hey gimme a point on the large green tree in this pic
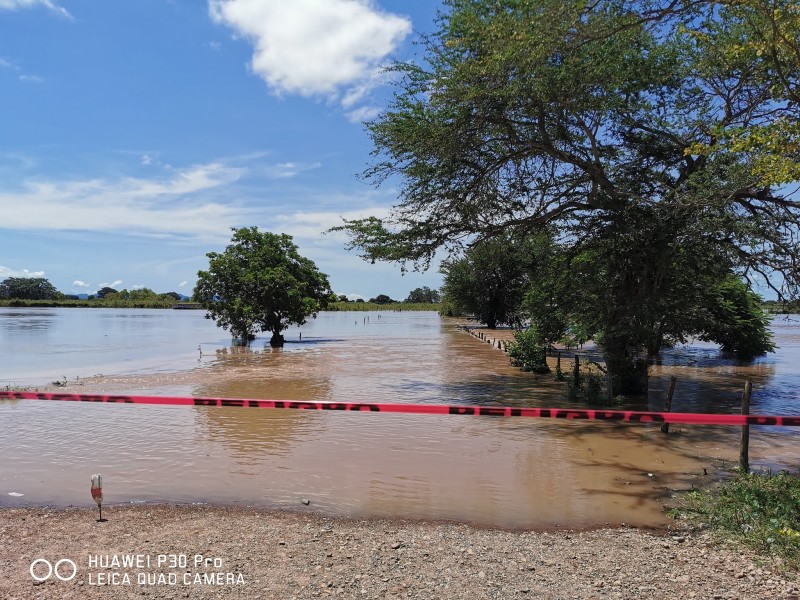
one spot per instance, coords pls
(28, 288)
(424, 295)
(489, 281)
(260, 283)
(615, 124)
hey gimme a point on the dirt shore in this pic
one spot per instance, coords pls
(254, 553)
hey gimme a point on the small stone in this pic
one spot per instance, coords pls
(396, 545)
(481, 574)
(305, 501)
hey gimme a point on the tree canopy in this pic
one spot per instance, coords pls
(28, 288)
(489, 281)
(652, 139)
(260, 283)
(424, 295)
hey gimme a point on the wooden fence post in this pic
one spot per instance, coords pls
(744, 447)
(668, 403)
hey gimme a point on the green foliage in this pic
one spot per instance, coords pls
(589, 384)
(632, 132)
(260, 283)
(106, 291)
(382, 299)
(760, 510)
(424, 294)
(28, 288)
(737, 323)
(528, 351)
(489, 281)
(111, 301)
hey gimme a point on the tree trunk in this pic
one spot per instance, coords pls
(242, 339)
(276, 341)
(628, 372)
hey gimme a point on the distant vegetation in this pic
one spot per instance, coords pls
(39, 292)
(782, 308)
(371, 306)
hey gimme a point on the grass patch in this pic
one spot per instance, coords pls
(758, 510)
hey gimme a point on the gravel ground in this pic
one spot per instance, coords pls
(267, 554)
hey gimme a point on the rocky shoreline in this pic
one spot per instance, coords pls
(257, 553)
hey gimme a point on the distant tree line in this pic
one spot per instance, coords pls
(420, 295)
(25, 291)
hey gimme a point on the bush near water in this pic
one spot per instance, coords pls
(758, 510)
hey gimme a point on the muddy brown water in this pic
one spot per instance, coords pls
(505, 472)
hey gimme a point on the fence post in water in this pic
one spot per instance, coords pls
(744, 447)
(668, 403)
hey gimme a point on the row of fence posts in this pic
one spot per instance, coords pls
(744, 444)
(485, 338)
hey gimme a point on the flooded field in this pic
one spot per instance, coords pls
(491, 471)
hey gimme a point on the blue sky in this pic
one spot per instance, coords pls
(135, 133)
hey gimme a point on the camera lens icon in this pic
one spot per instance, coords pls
(51, 570)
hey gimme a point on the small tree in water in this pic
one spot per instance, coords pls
(260, 283)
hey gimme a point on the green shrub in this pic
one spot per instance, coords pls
(528, 352)
(759, 510)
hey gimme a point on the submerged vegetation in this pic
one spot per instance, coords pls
(758, 510)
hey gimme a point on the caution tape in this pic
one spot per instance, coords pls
(627, 416)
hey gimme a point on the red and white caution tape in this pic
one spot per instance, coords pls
(628, 416)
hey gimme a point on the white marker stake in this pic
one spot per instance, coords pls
(97, 492)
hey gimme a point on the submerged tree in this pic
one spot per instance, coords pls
(617, 125)
(489, 281)
(260, 283)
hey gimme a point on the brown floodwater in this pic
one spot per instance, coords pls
(506, 472)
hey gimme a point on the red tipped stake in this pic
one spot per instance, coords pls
(97, 492)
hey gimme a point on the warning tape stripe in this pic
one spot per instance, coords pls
(628, 416)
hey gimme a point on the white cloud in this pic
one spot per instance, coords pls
(113, 284)
(176, 205)
(19, 4)
(7, 272)
(310, 225)
(290, 169)
(315, 47)
(363, 113)
(31, 78)
(80, 284)
(136, 287)
(183, 284)
(7, 64)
